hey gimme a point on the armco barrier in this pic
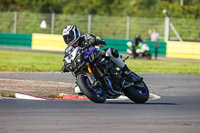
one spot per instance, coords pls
(185, 50)
(48, 42)
(118, 44)
(161, 48)
(15, 40)
(121, 46)
(52, 42)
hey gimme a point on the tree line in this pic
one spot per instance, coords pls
(135, 8)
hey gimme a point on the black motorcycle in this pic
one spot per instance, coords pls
(99, 78)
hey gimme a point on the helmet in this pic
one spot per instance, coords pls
(137, 36)
(71, 34)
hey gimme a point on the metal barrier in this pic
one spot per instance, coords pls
(50, 42)
(15, 40)
(184, 50)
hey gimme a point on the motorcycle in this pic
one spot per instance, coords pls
(141, 51)
(99, 78)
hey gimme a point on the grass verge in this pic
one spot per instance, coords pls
(46, 62)
(6, 94)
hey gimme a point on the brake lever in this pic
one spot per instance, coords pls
(126, 58)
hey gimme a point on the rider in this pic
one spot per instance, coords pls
(135, 43)
(73, 38)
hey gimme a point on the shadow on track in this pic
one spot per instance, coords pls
(141, 104)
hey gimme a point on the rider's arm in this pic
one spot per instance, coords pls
(141, 40)
(64, 67)
(94, 41)
(101, 43)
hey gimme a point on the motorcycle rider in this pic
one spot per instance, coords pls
(135, 43)
(72, 38)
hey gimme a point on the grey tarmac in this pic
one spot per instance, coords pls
(178, 110)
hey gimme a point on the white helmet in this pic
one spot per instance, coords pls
(71, 34)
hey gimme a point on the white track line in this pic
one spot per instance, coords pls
(23, 96)
(28, 97)
(154, 96)
(151, 97)
(22, 80)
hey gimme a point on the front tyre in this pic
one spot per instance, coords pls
(95, 94)
(138, 94)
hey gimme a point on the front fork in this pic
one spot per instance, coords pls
(92, 78)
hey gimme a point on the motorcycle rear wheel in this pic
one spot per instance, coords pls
(97, 95)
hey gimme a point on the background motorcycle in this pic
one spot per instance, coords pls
(99, 78)
(141, 51)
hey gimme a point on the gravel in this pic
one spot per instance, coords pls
(36, 88)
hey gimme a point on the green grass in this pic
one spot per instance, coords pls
(30, 61)
(161, 66)
(45, 62)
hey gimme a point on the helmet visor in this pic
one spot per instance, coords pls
(67, 39)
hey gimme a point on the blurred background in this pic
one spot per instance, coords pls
(118, 19)
(38, 24)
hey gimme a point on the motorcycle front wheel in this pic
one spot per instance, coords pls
(138, 93)
(96, 94)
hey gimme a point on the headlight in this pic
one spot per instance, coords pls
(78, 60)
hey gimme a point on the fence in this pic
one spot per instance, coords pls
(52, 42)
(104, 26)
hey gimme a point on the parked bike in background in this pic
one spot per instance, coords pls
(142, 50)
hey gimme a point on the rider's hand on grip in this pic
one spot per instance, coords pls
(103, 53)
(90, 39)
(64, 69)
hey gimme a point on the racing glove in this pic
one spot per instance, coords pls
(64, 69)
(90, 40)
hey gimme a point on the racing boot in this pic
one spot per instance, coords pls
(129, 76)
(127, 72)
(77, 89)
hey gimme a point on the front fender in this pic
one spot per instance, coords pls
(90, 77)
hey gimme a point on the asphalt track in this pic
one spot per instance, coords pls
(178, 110)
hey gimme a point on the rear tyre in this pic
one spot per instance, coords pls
(95, 94)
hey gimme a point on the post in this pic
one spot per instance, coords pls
(52, 19)
(167, 21)
(166, 29)
(169, 24)
(128, 27)
(89, 23)
(176, 33)
(181, 2)
(156, 50)
(15, 22)
(52, 22)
